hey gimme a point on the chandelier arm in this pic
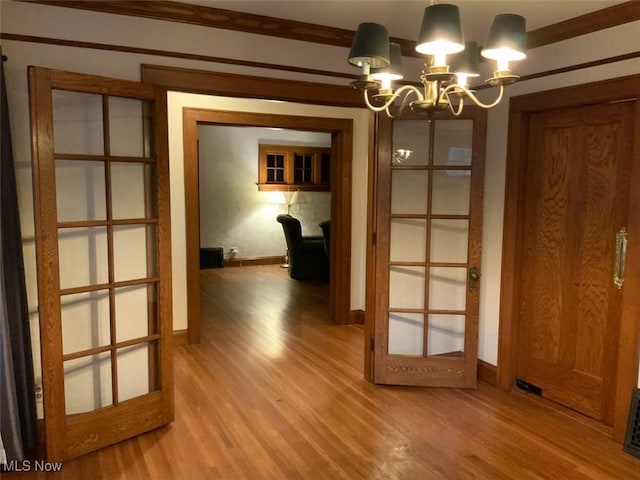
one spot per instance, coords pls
(405, 100)
(458, 111)
(470, 94)
(407, 88)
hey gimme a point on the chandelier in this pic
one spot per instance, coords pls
(450, 62)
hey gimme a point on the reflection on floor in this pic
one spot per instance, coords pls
(276, 391)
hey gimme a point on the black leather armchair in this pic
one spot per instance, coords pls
(307, 258)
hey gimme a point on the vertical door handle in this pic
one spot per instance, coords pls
(474, 276)
(620, 258)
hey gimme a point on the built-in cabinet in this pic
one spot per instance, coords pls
(290, 167)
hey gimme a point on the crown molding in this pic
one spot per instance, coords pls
(321, 34)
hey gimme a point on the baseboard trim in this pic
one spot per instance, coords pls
(487, 372)
(356, 316)
(253, 261)
(180, 338)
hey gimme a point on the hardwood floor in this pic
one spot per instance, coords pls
(275, 391)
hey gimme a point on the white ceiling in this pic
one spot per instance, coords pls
(402, 17)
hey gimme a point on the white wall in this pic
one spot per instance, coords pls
(233, 213)
(47, 21)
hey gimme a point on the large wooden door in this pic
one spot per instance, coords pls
(578, 175)
(428, 229)
(101, 200)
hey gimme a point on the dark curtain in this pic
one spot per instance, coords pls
(18, 421)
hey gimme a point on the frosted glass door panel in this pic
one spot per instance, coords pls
(451, 192)
(410, 142)
(453, 142)
(408, 240)
(129, 127)
(446, 334)
(133, 252)
(77, 123)
(131, 190)
(409, 191)
(406, 287)
(133, 371)
(406, 333)
(135, 312)
(85, 321)
(80, 190)
(87, 383)
(83, 256)
(447, 288)
(449, 241)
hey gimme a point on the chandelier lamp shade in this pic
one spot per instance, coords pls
(449, 65)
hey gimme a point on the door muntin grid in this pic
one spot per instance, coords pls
(429, 237)
(107, 243)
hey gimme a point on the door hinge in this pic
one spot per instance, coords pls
(374, 238)
(372, 344)
(528, 387)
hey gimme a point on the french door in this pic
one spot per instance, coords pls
(428, 234)
(101, 200)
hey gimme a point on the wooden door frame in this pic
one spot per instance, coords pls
(341, 159)
(521, 108)
(244, 86)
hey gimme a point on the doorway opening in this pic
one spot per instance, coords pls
(340, 210)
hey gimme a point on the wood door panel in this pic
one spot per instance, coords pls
(439, 372)
(543, 277)
(92, 431)
(568, 387)
(577, 186)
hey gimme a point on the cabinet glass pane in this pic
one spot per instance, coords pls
(135, 312)
(406, 333)
(87, 383)
(134, 371)
(409, 191)
(410, 142)
(449, 241)
(451, 191)
(80, 190)
(134, 251)
(302, 168)
(452, 142)
(85, 321)
(83, 256)
(446, 335)
(77, 123)
(447, 288)
(408, 240)
(406, 287)
(325, 169)
(130, 123)
(133, 190)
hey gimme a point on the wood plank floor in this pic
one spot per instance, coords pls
(275, 391)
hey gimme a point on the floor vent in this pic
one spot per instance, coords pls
(528, 387)
(632, 440)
